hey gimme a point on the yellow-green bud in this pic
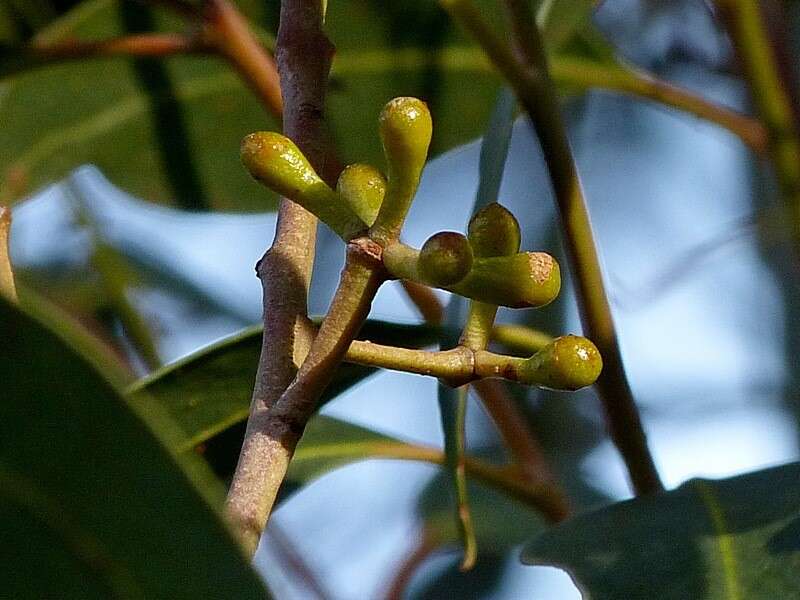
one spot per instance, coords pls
(445, 258)
(524, 280)
(494, 231)
(406, 129)
(276, 162)
(567, 363)
(363, 186)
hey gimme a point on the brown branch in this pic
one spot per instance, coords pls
(304, 57)
(425, 300)
(424, 546)
(524, 446)
(147, 44)
(294, 561)
(229, 32)
(7, 287)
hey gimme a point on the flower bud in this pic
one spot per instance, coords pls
(524, 280)
(406, 129)
(276, 162)
(363, 186)
(494, 231)
(567, 363)
(445, 258)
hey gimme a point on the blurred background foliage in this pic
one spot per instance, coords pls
(124, 178)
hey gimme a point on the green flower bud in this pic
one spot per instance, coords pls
(524, 280)
(494, 231)
(405, 128)
(567, 363)
(445, 258)
(276, 162)
(363, 186)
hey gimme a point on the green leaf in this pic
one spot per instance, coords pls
(329, 443)
(168, 131)
(91, 502)
(209, 391)
(412, 48)
(727, 539)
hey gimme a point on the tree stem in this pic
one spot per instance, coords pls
(304, 57)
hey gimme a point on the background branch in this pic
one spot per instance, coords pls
(536, 92)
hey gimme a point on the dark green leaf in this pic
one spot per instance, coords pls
(210, 390)
(91, 502)
(734, 538)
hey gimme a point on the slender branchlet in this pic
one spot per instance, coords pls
(568, 363)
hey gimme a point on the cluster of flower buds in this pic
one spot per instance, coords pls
(486, 265)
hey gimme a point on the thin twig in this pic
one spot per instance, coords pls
(584, 74)
(425, 300)
(272, 434)
(145, 44)
(230, 34)
(304, 57)
(292, 559)
(524, 446)
(423, 547)
(536, 92)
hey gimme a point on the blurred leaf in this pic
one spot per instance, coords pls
(731, 538)
(165, 130)
(90, 494)
(210, 390)
(19, 19)
(480, 582)
(169, 130)
(494, 149)
(560, 20)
